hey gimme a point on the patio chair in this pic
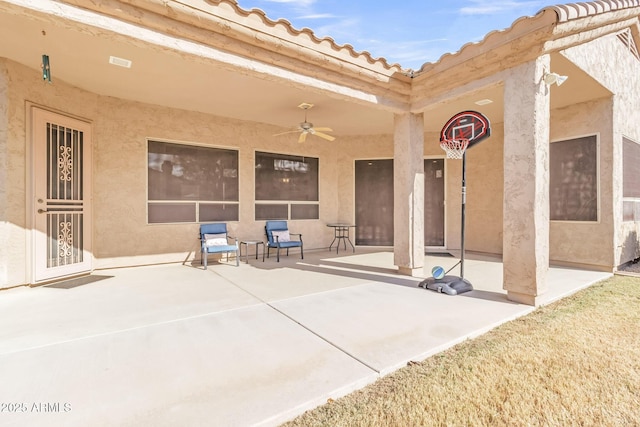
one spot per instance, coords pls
(215, 240)
(279, 237)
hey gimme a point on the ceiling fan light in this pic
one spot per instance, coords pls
(306, 127)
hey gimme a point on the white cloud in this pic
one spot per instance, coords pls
(482, 7)
(409, 54)
(318, 16)
(300, 3)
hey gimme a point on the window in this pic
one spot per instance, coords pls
(286, 187)
(189, 183)
(630, 180)
(573, 183)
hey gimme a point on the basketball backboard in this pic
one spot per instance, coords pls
(470, 125)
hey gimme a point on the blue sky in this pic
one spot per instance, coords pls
(408, 32)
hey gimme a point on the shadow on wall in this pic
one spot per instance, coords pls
(630, 249)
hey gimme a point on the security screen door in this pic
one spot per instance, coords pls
(62, 184)
(434, 203)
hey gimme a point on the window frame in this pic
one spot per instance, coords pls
(289, 203)
(196, 203)
(633, 200)
(595, 135)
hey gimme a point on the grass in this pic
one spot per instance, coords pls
(572, 363)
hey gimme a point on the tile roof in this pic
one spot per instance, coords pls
(567, 12)
(564, 13)
(546, 19)
(339, 49)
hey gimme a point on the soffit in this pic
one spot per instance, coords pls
(164, 73)
(353, 93)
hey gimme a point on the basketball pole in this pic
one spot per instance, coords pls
(463, 130)
(462, 213)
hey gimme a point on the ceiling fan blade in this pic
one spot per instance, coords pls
(324, 135)
(284, 133)
(303, 137)
(324, 129)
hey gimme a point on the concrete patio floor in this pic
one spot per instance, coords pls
(256, 344)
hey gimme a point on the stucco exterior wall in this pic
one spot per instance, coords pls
(361, 147)
(120, 218)
(588, 243)
(5, 226)
(485, 171)
(26, 86)
(121, 235)
(609, 62)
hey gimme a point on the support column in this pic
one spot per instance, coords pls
(408, 194)
(526, 183)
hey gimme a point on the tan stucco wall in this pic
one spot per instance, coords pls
(121, 175)
(5, 226)
(483, 212)
(363, 147)
(121, 236)
(589, 243)
(483, 230)
(609, 62)
(25, 86)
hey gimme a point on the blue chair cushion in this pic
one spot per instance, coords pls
(220, 248)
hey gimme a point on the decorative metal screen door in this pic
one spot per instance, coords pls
(62, 189)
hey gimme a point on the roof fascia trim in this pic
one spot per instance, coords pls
(249, 40)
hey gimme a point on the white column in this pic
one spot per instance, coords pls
(526, 182)
(408, 194)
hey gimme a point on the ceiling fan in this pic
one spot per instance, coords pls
(306, 128)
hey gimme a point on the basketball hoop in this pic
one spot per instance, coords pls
(454, 147)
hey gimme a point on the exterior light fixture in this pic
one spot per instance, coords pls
(551, 78)
(46, 68)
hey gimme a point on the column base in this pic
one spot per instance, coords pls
(532, 300)
(413, 272)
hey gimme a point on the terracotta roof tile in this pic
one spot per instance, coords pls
(564, 13)
(307, 32)
(567, 12)
(258, 20)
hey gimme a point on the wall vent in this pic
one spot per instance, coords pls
(627, 39)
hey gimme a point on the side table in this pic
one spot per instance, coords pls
(341, 233)
(248, 243)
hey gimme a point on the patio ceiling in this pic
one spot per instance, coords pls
(79, 55)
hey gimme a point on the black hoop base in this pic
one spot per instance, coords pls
(450, 285)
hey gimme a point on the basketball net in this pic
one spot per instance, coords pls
(454, 147)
